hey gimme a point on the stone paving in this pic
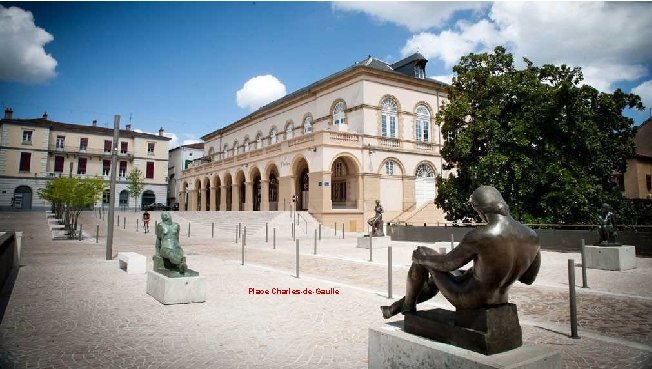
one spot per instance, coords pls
(72, 309)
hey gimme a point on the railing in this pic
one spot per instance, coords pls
(344, 137)
(86, 150)
(390, 142)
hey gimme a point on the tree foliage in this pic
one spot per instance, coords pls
(135, 185)
(69, 196)
(547, 142)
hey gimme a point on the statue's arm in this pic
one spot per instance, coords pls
(454, 260)
(531, 273)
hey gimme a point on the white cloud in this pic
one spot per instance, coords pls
(259, 91)
(446, 78)
(644, 90)
(415, 16)
(610, 41)
(23, 58)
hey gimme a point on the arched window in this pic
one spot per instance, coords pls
(425, 171)
(389, 119)
(289, 131)
(226, 151)
(246, 144)
(390, 167)
(272, 136)
(422, 124)
(338, 114)
(211, 151)
(259, 141)
(307, 124)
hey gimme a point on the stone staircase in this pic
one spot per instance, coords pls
(427, 213)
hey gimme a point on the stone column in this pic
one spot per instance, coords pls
(192, 199)
(286, 189)
(182, 201)
(202, 199)
(249, 196)
(264, 195)
(223, 198)
(213, 204)
(235, 197)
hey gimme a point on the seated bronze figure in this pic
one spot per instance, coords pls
(168, 257)
(607, 228)
(376, 222)
(502, 252)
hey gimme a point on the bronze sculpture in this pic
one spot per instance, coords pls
(607, 228)
(376, 222)
(168, 257)
(502, 252)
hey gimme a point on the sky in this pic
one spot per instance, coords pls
(192, 68)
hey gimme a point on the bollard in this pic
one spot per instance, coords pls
(335, 228)
(342, 230)
(118, 221)
(97, 234)
(244, 243)
(188, 229)
(266, 232)
(315, 250)
(80, 231)
(293, 231)
(297, 264)
(424, 224)
(584, 281)
(389, 272)
(239, 230)
(320, 231)
(274, 238)
(136, 225)
(452, 242)
(124, 223)
(236, 234)
(371, 247)
(573, 304)
(212, 229)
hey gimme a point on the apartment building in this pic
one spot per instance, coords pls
(332, 148)
(33, 151)
(180, 158)
(637, 179)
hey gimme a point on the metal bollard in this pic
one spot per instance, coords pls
(244, 243)
(80, 231)
(335, 228)
(584, 281)
(266, 232)
(212, 229)
(293, 231)
(389, 272)
(274, 238)
(297, 264)
(124, 223)
(236, 234)
(371, 247)
(320, 231)
(573, 303)
(342, 230)
(239, 230)
(118, 221)
(188, 229)
(97, 234)
(136, 225)
(452, 241)
(315, 250)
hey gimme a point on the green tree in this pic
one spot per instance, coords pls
(135, 185)
(547, 142)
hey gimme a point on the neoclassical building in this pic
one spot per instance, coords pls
(365, 133)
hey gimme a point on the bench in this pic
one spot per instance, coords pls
(132, 262)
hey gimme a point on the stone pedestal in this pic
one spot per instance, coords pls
(180, 290)
(132, 262)
(391, 347)
(485, 330)
(378, 242)
(610, 257)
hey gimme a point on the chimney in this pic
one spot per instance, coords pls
(160, 132)
(94, 122)
(128, 127)
(45, 115)
(9, 113)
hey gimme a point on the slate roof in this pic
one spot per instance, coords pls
(368, 62)
(80, 128)
(643, 139)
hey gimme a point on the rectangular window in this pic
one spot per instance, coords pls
(25, 160)
(124, 147)
(150, 148)
(81, 166)
(383, 126)
(123, 168)
(83, 143)
(417, 131)
(61, 142)
(392, 126)
(27, 137)
(426, 133)
(108, 145)
(58, 164)
(149, 171)
(106, 167)
(188, 162)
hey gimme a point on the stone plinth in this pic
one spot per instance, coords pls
(180, 290)
(610, 257)
(132, 262)
(378, 242)
(485, 330)
(391, 347)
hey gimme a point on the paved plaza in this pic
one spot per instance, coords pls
(72, 309)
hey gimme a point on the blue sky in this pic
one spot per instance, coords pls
(181, 65)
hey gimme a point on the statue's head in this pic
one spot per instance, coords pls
(165, 216)
(606, 208)
(377, 202)
(487, 200)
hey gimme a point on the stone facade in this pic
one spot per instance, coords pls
(362, 134)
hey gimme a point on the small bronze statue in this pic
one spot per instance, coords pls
(502, 252)
(607, 228)
(376, 222)
(168, 258)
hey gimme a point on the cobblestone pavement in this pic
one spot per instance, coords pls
(72, 309)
